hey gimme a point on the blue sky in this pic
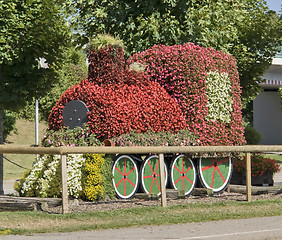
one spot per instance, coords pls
(274, 5)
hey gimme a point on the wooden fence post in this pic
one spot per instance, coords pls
(65, 203)
(162, 177)
(248, 177)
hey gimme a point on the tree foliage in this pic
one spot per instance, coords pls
(73, 70)
(245, 29)
(29, 30)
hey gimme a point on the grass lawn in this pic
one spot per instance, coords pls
(25, 136)
(39, 222)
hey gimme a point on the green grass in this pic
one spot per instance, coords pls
(25, 136)
(39, 222)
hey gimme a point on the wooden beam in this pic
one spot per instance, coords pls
(248, 177)
(21, 149)
(162, 176)
(65, 199)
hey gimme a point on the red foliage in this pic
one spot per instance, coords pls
(181, 70)
(115, 109)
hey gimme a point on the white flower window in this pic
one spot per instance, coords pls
(219, 93)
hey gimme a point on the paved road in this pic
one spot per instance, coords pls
(251, 229)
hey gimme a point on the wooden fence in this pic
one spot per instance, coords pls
(161, 150)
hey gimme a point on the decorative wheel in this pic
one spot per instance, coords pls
(150, 175)
(183, 174)
(215, 173)
(125, 176)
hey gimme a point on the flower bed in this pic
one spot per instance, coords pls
(259, 165)
(205, 84)
(262, 170)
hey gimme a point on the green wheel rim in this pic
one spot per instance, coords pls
(150, 175)
(125, 176)
(215, 173)
(183, 174)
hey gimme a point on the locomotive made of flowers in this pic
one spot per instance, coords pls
(182, 88)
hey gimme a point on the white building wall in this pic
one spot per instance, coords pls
(267, 106)
(268, 117)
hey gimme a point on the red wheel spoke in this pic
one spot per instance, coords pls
(119, 182)
(177, 169)
(150, 166)
(188, 180)
(119, 171)
(212, 177)
(130, 171)
(177, 180)
(130, 182)
(207, 167)
(152, 185)
(158, 184)
(150, 176)
(187, 169)
(220, 174)
(124, 188)
(156, 167)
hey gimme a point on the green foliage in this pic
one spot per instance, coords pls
(103, 40)
(29, 30)
(246, 29)
(73, 70)
(252, 136)
(150, 138)
(107, 176)
(70, 137)
(9, 122)
(19, 184)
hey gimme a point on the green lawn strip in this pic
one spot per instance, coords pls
(38, 222)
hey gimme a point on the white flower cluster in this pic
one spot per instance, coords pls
(34, 182)
(48, 175)
(219, 93)
(28, 184)
(74, 165)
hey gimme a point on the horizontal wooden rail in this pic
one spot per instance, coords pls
(22, 149)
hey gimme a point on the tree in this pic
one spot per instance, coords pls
(29, 30)
(246, 29)
(73, 70)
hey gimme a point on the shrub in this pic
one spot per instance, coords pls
(70, 137)
(259, 165)
(188, 73)
(44, 179)
(96, 177)
(150, 138)
(88, 176)
(252, 136)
